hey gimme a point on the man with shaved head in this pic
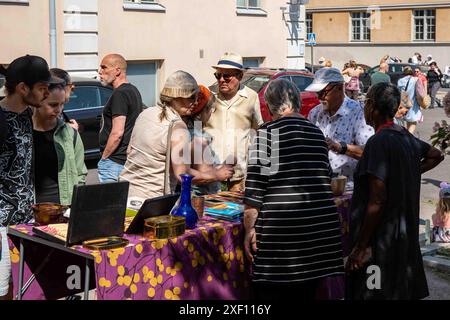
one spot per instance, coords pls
(381, 75)
(119, 115)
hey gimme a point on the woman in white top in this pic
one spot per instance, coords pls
(159, 135)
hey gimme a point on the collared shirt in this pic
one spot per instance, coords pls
(348, 125)
(230, 127)
(16, 183)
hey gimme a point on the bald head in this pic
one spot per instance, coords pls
(113, 70)
(116, 60)
(384, 67)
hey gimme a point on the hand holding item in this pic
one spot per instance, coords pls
(250, 244)
(224, 172)
(358, 258)
(333, 146)
(74, 124)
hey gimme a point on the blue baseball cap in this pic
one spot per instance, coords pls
(323, 77)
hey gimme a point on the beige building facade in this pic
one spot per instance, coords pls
(367, 30)
(156, 37)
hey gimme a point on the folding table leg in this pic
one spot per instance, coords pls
(21, 265)
(86, 281)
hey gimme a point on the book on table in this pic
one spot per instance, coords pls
(53, 232)
(229, 211)
(97, 212)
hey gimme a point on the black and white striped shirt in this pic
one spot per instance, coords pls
(298, 230)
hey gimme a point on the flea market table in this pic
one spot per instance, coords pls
(206, 263)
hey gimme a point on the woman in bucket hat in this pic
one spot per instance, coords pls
(159, 148)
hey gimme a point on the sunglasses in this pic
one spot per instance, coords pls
(226, 76)
(323, 93)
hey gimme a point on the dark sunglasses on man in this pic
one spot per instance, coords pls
(226, 76)
(324, 92)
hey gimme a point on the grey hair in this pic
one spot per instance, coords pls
(282, 94)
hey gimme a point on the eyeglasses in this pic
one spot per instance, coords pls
(226, 76)
(323, 93)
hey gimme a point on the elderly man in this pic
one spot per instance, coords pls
(235, 112)
(341, 119)
(119, 115)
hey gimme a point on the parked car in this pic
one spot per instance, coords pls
(395, 72)
(258, 79)
(86, 107)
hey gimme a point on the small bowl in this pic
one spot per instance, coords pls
(49, 213)
(338, 185)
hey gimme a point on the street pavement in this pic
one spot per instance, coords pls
(432, 178)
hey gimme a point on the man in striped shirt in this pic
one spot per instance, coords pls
(293, 235)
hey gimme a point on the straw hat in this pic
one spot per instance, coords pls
(180, 84)
(230, 61)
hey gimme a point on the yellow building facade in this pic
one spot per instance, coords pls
(365, 31)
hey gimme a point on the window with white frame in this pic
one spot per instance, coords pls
(309, 23)
(360, 26)
(424, 25)
(248, 4)
(143, 5)
(140, 1)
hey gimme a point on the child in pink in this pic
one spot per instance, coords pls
(441, 219)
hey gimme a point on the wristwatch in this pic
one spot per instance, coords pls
(343, 147)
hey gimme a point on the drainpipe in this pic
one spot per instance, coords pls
(53, 49)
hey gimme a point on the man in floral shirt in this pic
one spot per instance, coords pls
(27, 81)
(341, 120)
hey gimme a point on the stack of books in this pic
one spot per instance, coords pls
(224, 210)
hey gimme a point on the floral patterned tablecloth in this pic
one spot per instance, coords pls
(205, 263)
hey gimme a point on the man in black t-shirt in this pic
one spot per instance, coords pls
(119, 115)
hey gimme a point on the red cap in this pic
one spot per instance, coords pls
(203, 98)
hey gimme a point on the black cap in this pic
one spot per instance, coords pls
(30, 70)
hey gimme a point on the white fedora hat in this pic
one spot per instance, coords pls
(230, 61)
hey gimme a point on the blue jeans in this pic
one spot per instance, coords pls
(109, 171)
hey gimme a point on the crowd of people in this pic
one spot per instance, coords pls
(284, 167)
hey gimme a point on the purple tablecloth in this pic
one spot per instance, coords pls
(205, 263)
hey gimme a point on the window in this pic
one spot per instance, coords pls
(301, 82)
(255, 82)
(83, 97)
(309, 23)
(360, 26)
(141, 1)
(20, 2)
(248, 4)
(105, 94)
(252, 62)
(250, 8)
(424, 25)
(143, 5)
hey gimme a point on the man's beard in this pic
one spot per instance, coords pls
(31, 100)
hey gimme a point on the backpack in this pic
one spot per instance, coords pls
(423, 99)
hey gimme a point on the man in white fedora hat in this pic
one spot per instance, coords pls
(235, 113)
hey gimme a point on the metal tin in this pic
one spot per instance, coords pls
(164, 227)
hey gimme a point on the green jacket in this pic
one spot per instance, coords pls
(71, 167)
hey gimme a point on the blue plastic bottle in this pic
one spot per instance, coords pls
(185, 208)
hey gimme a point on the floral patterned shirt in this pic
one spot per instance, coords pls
(16, 183)
(348, 125)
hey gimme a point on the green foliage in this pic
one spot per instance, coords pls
(441, 136)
